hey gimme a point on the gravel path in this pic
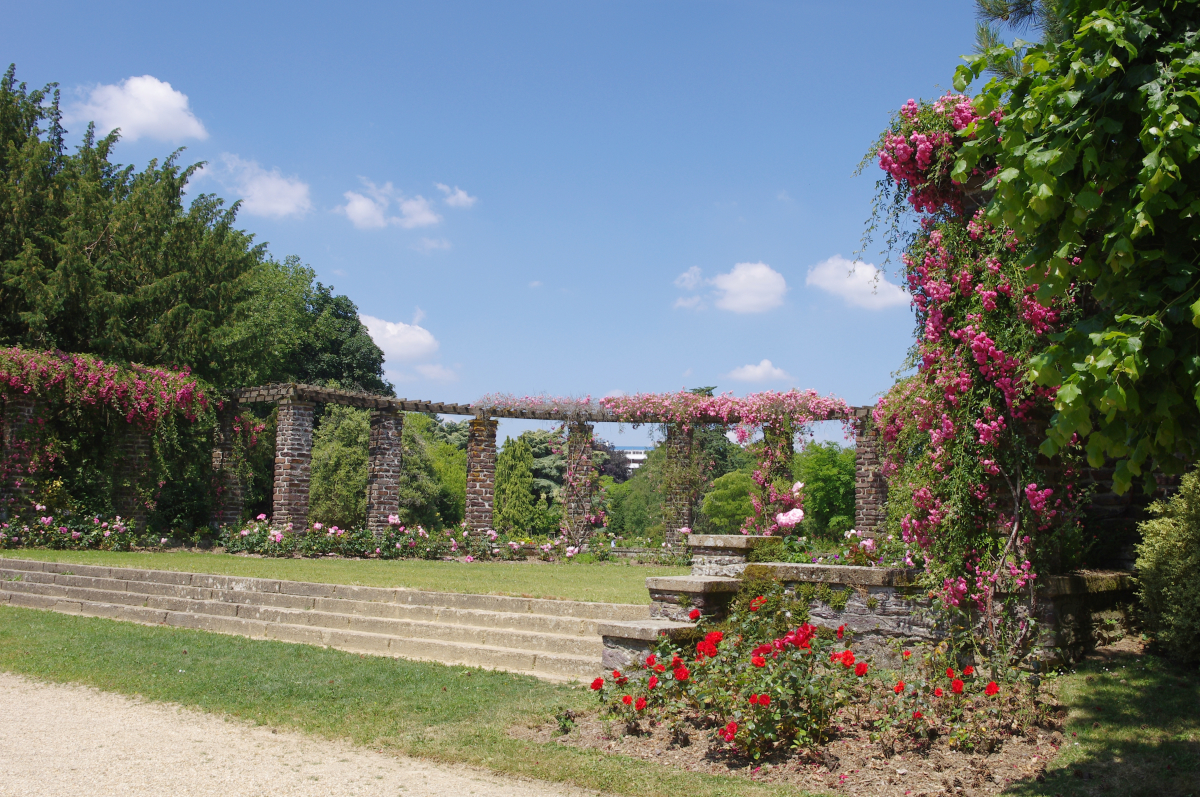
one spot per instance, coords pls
(57, 740)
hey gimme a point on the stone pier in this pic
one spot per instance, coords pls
(870, 488)
(131, 465)
(579, 496)
(227, 483)
(481, 473)
(677, 503)
(383, 468)
(293, 463)
(14, 468)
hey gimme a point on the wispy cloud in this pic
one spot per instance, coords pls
(371, 209)
(437, 373)
(142, 107)
(431, 244)
(690, 280)
(859, 284)
(456, 197)
(400, 341)
(765, 371)
(750, 288)
(263, 193)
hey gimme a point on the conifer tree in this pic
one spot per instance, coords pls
(514, 486)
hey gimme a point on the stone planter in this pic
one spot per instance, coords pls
(674, 597)
(722, 554)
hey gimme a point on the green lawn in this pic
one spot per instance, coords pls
(616, 582)
(451, 714)
(1133, 730)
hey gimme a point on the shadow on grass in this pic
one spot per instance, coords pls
(1133, 730)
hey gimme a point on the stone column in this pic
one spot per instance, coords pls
(293, 461)
(383, 469)
(15, 478)
(481, 473)
(129, 476)
(677, 503)
(870, 489)
(227, 484)
(579, 495)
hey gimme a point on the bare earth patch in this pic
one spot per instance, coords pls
(77, 740)
(850, 764)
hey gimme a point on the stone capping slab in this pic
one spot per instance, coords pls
(852, 575)
(692, 584)
(732, 542)
(643, 630)
(1085, 582)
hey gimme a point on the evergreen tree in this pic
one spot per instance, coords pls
(514, 487)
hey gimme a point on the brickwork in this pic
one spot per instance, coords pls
(132, 462)
(870, 489)
(230, 492)
(15, 480)
(579, 500)
(677, 504)
(481, 473)
(383, 468)
(293, 462)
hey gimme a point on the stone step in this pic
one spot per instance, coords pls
(523, 640)
(517, 621)
(401, 595)
(550, 666)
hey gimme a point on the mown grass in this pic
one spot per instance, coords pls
(451, 714)
(1133, 730)
(608, 582)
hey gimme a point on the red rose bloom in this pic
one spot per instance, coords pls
(640, 704)
(938, 692)
(754, 700)
(681, 673)
(598, 684)
(968, 670)
(627, 700)
(848, 658)
(653, 682)
(714, 637)
(949, 672)
(650, 660)
(907, 654)
(764, 700)
(660, 668)
(956, 686)
(758, 661)
(694, 615)
(676, 661)
(991, 688)
(841, 631)
(860, 669)
(729, 731)
(898, 688)
(917, 715)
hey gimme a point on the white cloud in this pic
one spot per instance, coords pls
(436, 372)
(750, 288)
(430, 244)
(614, 394)
(690, 280)
(264, 193)
(456, 197)
(142, 107)
(370, 210)
(689, 302)
(535, 284)
(400, 341)
(783, 196)
(418, 315)
(763, 372)
(860, 284)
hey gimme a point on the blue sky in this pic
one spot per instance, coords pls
(572, 198)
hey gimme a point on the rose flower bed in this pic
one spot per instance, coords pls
(767, 693)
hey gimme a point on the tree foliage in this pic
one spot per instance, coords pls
(1095, 169)
(827, 470)
(514, 487)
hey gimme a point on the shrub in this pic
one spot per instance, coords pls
(1169, 571)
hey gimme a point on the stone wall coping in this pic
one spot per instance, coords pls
(840, 574)
(692, 584)
(1085, 582)
(736, 542)
(644, 630)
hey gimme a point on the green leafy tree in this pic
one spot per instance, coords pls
(515, 497)
(827, 470)
(338, 490)
(726, 505)
(1096, 167)
(634, 508)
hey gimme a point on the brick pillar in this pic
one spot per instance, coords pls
(677, 503)
(230, 491)
(130, 468)
(15, 478)
(293, 460)
(481, 473)
(579, 495)
(870, 489)
(383, 469)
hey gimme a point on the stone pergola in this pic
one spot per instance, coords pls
(293, 455)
